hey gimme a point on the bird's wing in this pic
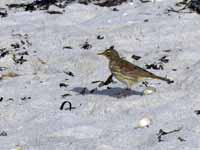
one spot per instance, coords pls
(133, 70)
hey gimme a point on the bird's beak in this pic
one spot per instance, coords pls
(102, 53)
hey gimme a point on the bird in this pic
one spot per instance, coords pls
(126, 72)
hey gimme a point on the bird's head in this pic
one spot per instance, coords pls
(110, 53)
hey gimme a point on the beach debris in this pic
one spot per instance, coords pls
(15, 45)
(25, 98)
(68, 108)
(24, 41)
(197, 112)
(3, 52)
(135, 57)
(99, 37)
(145, 1)
(69, 73)
(39, 5)
(154, 66)
(86, 45)
(149, 90)
(159, 64)
(144, 122)
(181, 139)
(104, 3)
(61, 4)
(63, 85)
(67, 47)
(167, 50)
(19, 60)
(193, 5)
(65, 95)
(162, 133)
(164, 59)
(3, 12)
(23, 53)
(1, 99)
(3, 133)
(10, 99)
(115, 9)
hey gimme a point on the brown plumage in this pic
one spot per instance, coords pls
(127, 72)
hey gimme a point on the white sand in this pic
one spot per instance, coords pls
(101, 121)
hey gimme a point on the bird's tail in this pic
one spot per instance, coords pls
(164, 79)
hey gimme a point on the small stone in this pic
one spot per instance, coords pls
(149, 90)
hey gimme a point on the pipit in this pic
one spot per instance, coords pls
(127, 72)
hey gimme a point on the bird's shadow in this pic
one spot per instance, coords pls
(116, 92)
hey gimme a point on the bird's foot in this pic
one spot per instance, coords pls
(128, 89)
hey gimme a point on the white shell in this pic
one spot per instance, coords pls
(109, 21)
(144, 122)
(149, 90)
(125, 14)
(18, 148)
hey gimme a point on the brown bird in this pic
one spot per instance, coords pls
(127, 72)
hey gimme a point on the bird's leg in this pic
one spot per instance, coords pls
(128, 88)
(107, 82)
(145, 83)
(148, 89)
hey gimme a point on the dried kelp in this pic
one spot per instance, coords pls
(63, 85)
(38, 5)
(162, 133)
(3, 52)
(19, 60)
(154, 66)
(68, 108)
(3, 133)
(103, 3)
(69, 73)
(193, 5)
(197, 112)
(3, 12)
(86, 45)
(45, 4)
(135, 57)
